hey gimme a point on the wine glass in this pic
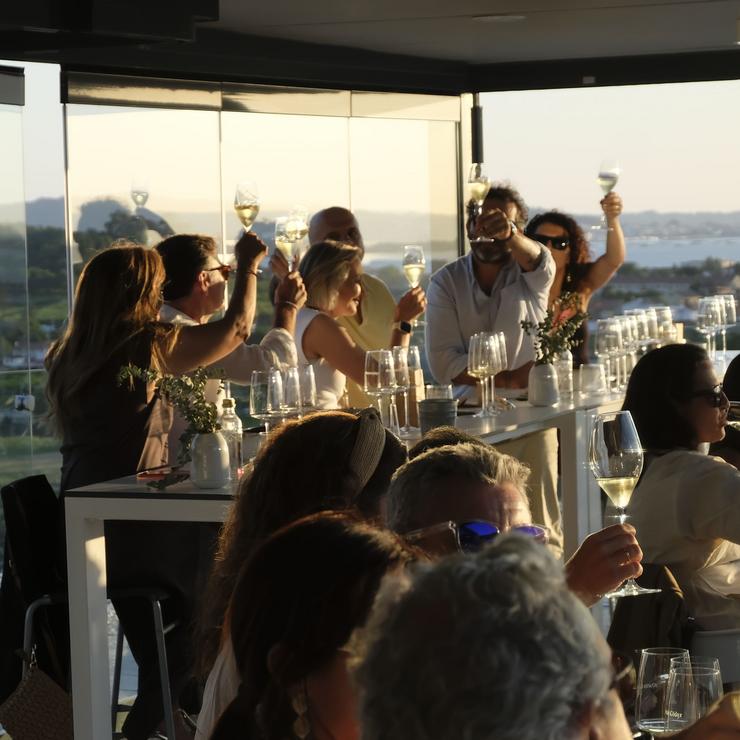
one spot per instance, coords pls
(266, 399)
(414, 264)
(692, 690)
(296, 227)
(403, 383)
(380, 379)
(292, 404)
(483, 361)
(708, 321)
(731, 316)
(724, 310)
(478, 186)
(282, 242)
(607, 178)
(309, 401)
(615, 455)
(139, 193)
(652, 681)
(247, 203)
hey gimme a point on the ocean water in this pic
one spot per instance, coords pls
(669, 252)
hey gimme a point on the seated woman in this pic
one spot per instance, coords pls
(575, 273)
(729, 447)
(332, 272)
(686, 506)
(109, 431)
(331, 460)
(295, 605)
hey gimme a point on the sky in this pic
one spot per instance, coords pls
(678, 146)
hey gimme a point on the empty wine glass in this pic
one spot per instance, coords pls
(246, 203)
(483, 363)
(478, 186)
(309, 401)
(708, 321)
(266, 399)
(652, 681)
(292, 404)
(726, 303)
(615, 456)
(607, 178)
(692, 690)
(380, 380)
(403, 383)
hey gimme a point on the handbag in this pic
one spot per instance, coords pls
(38, 709)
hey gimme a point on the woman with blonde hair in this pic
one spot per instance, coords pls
(110, 431)
(332, 272)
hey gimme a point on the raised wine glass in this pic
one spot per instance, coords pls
(414, 264)
(478, 186)
(283, 243)
(607, 178)
(247, 203)
(616, 458)
(139, 193)
(296, 227)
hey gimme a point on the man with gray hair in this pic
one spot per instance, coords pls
(470, 489)
(492, 645)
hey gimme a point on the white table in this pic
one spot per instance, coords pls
(128, 498)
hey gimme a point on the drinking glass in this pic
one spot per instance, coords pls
(708, 322)
(726, 303)
(414, 264)
(652, 681)
(403, 383)
(593, 380)
(307, 380)
(478, 186)
(643, 329)
(607, 178)
(483, 361)
(247, 203)
(700, 661)
(653, 331)
(266, 399)
(615, 455)
(292, 404)
(692, 690)
(296, 226)
(608, 347)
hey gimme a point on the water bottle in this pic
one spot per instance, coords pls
(231, 429)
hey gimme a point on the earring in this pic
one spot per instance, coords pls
(299, 702)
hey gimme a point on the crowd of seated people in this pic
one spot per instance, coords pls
(333, 503)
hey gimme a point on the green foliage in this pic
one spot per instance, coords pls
(187, 393)
(554, 334)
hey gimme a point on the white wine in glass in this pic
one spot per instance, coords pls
(296, 225)
(246, 203)
(616, 458)
(478, 184)
(282, 241)
(414, 264)
(607, 179)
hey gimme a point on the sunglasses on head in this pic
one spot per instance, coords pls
(225, 270)
(715, 396)
(555, 242)
(470, 536)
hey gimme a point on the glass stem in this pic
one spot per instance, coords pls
(724, 340)
(406, 422)
(483, 394)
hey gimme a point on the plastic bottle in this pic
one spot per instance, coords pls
(231, 429)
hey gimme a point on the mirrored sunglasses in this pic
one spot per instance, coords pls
(555, 242)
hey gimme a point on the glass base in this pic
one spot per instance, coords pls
(631, 588)
(409, 432)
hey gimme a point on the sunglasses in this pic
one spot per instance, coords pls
(225, 270)
(716, 396)
(470, 536)
(556, 242)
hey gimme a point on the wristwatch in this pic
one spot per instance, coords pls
(403, 326)
(513, 232)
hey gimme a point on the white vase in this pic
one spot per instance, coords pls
(543, 385)
(209, 460)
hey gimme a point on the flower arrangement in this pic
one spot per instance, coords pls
(554, 334)
(187, 393)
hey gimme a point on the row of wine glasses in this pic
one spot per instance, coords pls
(486, 358)
(277, 394)
(713, 316)
(392, 372)
(674, 690)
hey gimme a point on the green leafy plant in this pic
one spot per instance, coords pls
(554, 334)
(187, 393)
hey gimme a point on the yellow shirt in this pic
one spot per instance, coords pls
(378, 308)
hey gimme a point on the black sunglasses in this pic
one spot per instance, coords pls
(716, 396)
(556, 242)
(225, 270)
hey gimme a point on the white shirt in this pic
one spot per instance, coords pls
(457, 308)
(330, 383)
(276, 349)
(221, 689)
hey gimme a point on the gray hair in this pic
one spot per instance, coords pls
(417, 480)
(492, 645)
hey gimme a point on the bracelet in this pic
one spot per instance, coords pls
(253, 272)
(288, 303)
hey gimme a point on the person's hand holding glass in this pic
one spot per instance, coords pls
(616, 457)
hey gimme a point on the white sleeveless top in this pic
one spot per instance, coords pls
(329, 382)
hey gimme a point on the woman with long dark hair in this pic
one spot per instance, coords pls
(576, 271)
(295, 605)
(686, 507)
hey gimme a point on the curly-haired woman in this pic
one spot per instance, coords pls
(576, 271)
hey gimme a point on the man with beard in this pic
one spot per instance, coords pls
(504, 279)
